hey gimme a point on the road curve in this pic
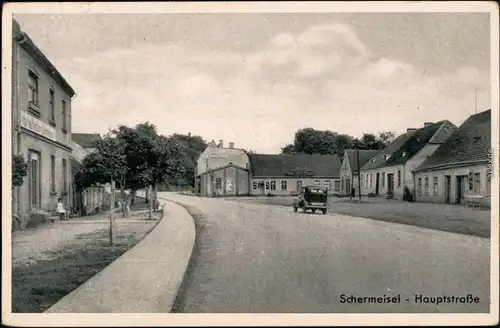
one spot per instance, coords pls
(267, 259)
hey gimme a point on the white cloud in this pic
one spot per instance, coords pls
(323, 77)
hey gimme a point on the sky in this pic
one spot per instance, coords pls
(254, 79)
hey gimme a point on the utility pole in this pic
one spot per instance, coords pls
(359, 173)
(111, 211)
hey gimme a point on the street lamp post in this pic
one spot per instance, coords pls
(359, 172)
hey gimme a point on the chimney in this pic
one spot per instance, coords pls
(411, 130)
(231, 145)
(221, 143)
(428, 123)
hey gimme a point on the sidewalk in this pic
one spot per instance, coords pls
(146, 278)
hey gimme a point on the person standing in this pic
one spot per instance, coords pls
(60, 209)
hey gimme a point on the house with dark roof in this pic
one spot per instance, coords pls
(390, 171)
(349, 168)
(285, 174)
(86, 140)
(460, 168)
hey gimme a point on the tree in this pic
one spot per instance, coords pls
(311, 141)
(19, 170)
(192, 147)
(386, 137)
(288, 149)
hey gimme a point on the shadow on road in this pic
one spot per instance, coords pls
(202, 238)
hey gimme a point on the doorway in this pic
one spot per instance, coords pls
(348, 186)
(460, 192)
(377, 180)
(34, 179)
(447, 188)
(390, 184)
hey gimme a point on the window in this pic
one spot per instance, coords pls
(477, 183)
(316, 182)
(52, 173)
(366, 181)
(51, 106)
(419, 186)
(284, 185)
(426, 186)
(65, 175)
(327, 184)
(33, 88)
(267, 185)
(34, 178)
(218, 183)
(471, 182)
(299, 185)
(399, 178)
(254, 185)
(435, 185)
(337, 185)
(273, 185)
(383, 179)
(261, 185)
(370, 182)
(64, 115)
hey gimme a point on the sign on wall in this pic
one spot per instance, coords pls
(229, 184)
(33, 124)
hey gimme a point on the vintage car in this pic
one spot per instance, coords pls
(311, 198)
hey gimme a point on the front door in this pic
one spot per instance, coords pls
(377, 183)
(390, 183)
(348, 186)
(447, 188)
(458, 189)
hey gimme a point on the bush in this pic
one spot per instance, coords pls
(371, 195)
(407, 195)
(19, 170)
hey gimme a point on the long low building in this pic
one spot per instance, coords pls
(286, 174)
(234, 172)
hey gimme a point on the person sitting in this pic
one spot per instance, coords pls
(60, 209)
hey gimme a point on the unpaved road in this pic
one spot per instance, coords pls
(267, 259)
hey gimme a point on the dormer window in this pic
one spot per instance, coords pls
(387, 156)
(404, 154)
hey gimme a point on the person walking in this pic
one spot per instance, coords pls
(60, 209)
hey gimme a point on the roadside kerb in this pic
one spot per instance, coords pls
(146, 278)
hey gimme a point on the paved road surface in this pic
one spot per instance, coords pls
(267, 259)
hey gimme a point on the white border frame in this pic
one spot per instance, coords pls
(128, 319)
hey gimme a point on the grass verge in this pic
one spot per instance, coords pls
(38, 286)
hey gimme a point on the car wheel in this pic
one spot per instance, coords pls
(314, 210)
(295, 209)
(324, 211)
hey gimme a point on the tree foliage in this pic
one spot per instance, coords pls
(311, 141)
(19, 170)
(192, 146)
(133, 157)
